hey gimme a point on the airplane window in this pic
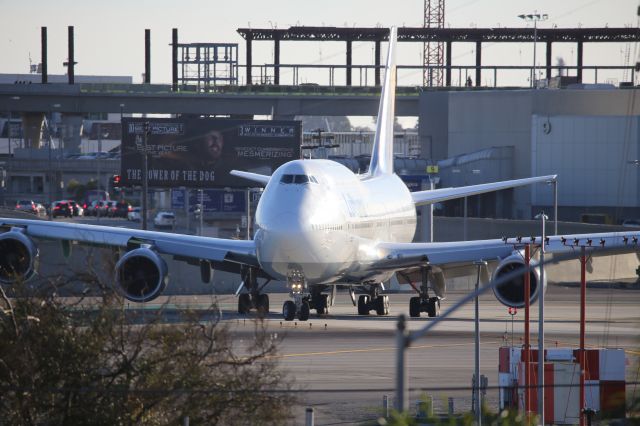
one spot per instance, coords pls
(286, 179)
(313, 179)
(301, 179)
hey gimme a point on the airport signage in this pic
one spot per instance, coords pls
(213, 200)
(200, 152)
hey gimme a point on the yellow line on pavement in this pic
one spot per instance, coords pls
(385, 348)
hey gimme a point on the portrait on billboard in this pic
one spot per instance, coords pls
(200, 153)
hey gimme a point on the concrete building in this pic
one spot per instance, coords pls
(587, 136)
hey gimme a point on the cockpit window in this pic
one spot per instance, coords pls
(286, 179)
(297, 179)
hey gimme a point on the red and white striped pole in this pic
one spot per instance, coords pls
(527, 347)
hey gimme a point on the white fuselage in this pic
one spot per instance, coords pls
(318, 220)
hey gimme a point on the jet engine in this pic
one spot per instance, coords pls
(18, 257)
(141, 275)
(511, 293)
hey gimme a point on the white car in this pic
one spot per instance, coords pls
(631, 223)
(134, 215)
(164, 220)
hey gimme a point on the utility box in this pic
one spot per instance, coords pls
(604, 382)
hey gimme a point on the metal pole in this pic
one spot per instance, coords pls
(464, 222)
(98, 169)
(49, 173)
(308, 417)
(9, 132)
(431, 187)
(555, 207)
(145, 176)
(583, 298)
(201, 211)
(527, 354)
(476, 384)
(402, 385)
(541, 326)
(186, 206)
(248, 213)
(535, 41)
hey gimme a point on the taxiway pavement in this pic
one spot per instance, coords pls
(344, 364)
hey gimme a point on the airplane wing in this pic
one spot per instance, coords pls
(256, 177)
(402, 255)
(457, 258)
(178, 245)
(444, 194)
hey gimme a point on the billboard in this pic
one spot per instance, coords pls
(200, 152)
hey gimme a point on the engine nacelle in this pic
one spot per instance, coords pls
(511, 293)
(18, 257)
(141, 275)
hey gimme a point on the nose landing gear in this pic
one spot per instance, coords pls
(301, 297)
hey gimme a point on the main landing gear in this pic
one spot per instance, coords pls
(374, 301)
(424, 303)
(255, 299)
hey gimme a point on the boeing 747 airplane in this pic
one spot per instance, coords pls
(318, 226)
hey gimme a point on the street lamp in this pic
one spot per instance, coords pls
(534, 17)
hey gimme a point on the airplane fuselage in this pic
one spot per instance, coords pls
(318, 220)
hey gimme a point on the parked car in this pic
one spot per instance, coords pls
(97, 208)
(28, 206)
(110, 208)
(164, 220)
(77, 208)
(134, 214)
(41, 211)
(61, 208)
(631, 223)
(122, 209)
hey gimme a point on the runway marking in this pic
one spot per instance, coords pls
(385, 348)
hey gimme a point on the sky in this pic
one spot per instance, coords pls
(109, 35)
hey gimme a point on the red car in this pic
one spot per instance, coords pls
(62, 208)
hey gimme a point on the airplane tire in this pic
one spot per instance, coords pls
(433, 307)
(322, 304)
(244, 303)
(382, 305)
(262, 304)
(303, 315)
(363, 305)
(414, 307)
(289, 310)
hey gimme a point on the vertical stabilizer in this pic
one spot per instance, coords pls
(382, 155)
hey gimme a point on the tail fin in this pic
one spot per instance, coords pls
(382, 155)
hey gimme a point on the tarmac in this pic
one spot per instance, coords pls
(344, 364)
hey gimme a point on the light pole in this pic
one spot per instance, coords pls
(543, 217)
(145, 175)
(534, 17)
(476, 384)
(101, 134)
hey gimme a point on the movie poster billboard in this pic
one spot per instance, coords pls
(200, 152)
